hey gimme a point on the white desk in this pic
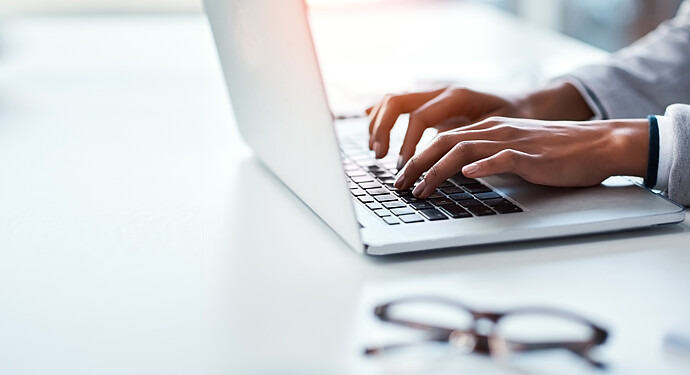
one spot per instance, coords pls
(134, 235)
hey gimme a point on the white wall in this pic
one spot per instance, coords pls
(547, 13)
(97, 6)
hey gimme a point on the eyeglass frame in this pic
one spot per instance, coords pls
(481, 341)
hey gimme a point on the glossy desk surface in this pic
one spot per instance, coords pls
(135, 234)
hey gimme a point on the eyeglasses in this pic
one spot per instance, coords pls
(521, 337)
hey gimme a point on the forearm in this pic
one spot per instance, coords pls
(557, 101)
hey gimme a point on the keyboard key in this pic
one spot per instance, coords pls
(414, 218)
(358, 192)
(496, 202)
(370, 185)
(391, 220)
(411, 199)
(394, 204)
(489, 195)
(402, 211)
(382, 212)
(421, 205)
(441, 201)
(459, 179)
(455, 211)
(470, 203)
(383, 174)
(461, 196)
(386, 198)
(390, 164)
(436, 194)
(433, 214)
(507, 209)
(481, 210)
(356, 172)
(351, 185)
(359, 179)
(474, 189)
(402, 193)
(380, 191)
(364, 161)
(365, 199)
(446, 184)
(451, 190)
(387, 180)
(374, 206)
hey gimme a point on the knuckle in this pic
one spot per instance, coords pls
(443, 140)
(462, 148)
(495, 120)
(434, 173)
(457, 90)
(511, 157)
(412, 164)
(391, 100)
(417, 119)
(510, 154)
(506, 130)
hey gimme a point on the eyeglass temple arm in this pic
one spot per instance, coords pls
(579, 348)
(374, 350)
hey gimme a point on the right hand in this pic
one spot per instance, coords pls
(443, 109)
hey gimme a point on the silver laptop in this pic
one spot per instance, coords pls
(273, 78)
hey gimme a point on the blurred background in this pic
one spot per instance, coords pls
(607, 24)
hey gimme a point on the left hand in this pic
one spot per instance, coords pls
(542, 152)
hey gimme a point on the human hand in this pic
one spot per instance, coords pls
(453, 107)
(442, 109)
(542, 152)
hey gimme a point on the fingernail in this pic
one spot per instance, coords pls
(377, 149)
(401, 162)
(470, 169)
(399, 181)
(419, 189)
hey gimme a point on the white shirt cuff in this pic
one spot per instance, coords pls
(665, 152)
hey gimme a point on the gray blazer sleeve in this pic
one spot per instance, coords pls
(644, 78)
(679, 177)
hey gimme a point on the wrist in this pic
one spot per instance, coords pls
(628, 150)
(558, 101)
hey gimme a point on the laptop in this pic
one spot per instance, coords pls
(278, 97)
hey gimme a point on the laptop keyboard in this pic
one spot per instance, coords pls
(371, 182)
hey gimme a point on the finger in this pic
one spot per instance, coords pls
(372, 118)
(452, 163)
(436, 111)
(441, 145)
(421, 162)
(505, 161)
(389, 111)
(368, 110)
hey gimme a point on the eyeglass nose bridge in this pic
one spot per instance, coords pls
(484, 315)
(470, 341)
(477, 338)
